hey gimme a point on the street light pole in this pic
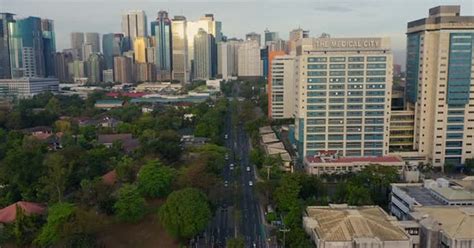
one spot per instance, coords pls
(284, 231)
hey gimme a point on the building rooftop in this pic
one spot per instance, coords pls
(456, 222)
(454, 193)
(368, 160)
(420, 194)
(265, 130)
(347, 223)
(269, 138)
(8, 214)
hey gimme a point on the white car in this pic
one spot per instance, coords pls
(250, 183)
(226, 156)
(226, 184)
(248, 168)
(226, 136)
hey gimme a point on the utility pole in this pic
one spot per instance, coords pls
(284, 231)
(268, 171)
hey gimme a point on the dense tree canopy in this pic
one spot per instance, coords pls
(130, 205)
(185, 213)
(155, 180)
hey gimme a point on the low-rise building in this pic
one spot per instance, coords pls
(127, 141)
(109, 104)
(27, 87)
(330, 163)
(348, 226)
(445, 226)
(441, 192)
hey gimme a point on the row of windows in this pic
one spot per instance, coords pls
(316, 137)
(312, 145)
(350, 59)
(341, 79)
(350, 93)
(338, 129)
(349, 121)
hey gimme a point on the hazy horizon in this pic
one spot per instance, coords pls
(368, 18)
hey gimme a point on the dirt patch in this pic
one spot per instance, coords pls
(147, 233)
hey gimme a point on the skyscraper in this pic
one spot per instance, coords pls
(281, 100)
(112, 45)
(49, 46)
(26, 48)
(87, 50)
(134, 24)
(123, 70)
(77, 41)
(254, 36)
(214, 29)
(271, 56)
(180, 50)
(5, 70)
(250, 64)
(343, 89)
(139, 48)
(295, 35)
(270, 36)
(228, 58)
(61, 61)
(162, 30)
(202, 55)
(440, 85)
(95, 67)
(94, 40)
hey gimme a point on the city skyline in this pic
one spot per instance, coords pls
(261, 15)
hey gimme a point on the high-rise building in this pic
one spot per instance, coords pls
(139, 48)
(134, 24)
(112, 45)
(87, 50)
(255, 37)
(26, 48)
(295, 35)
(95, 67)
(214, 29)
(343, 93)
(439, 84)
(94, 40)
(123, 70)
(77, 70)
(61, 61)
(162, 34)
(180, 49)
(282, 91)
(202, 55)
(271, 56)
(49, 46)
(277, 45)
(5, 70)
(145, 72)
(250, 64)
(77, 41)
(108, 76)
(270, 36)
(228, 58)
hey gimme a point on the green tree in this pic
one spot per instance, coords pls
(185, 213)
(155, 180)
(236, 243)
(58, 214)
(55, 181)
(286, 195)
(125, 169)
(25, 228)
(130, 205)
(53, 106)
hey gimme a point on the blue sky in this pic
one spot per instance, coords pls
(340, 18)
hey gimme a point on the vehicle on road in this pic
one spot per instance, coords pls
(250, 183)
(226, 136)
(227, 156)
(248, 168)
(226, 183)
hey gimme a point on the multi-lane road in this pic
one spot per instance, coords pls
(239, 213)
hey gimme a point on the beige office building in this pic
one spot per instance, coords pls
(250, 64)
(140, 45)
(440, 85)
(343, 96)
(283, 87)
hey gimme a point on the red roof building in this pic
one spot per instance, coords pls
(110, 178)
(8, 214)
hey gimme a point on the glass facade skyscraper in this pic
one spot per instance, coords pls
(162, 34)
(26, 48)
(112, 45)
(49, 46)
(5, 70)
